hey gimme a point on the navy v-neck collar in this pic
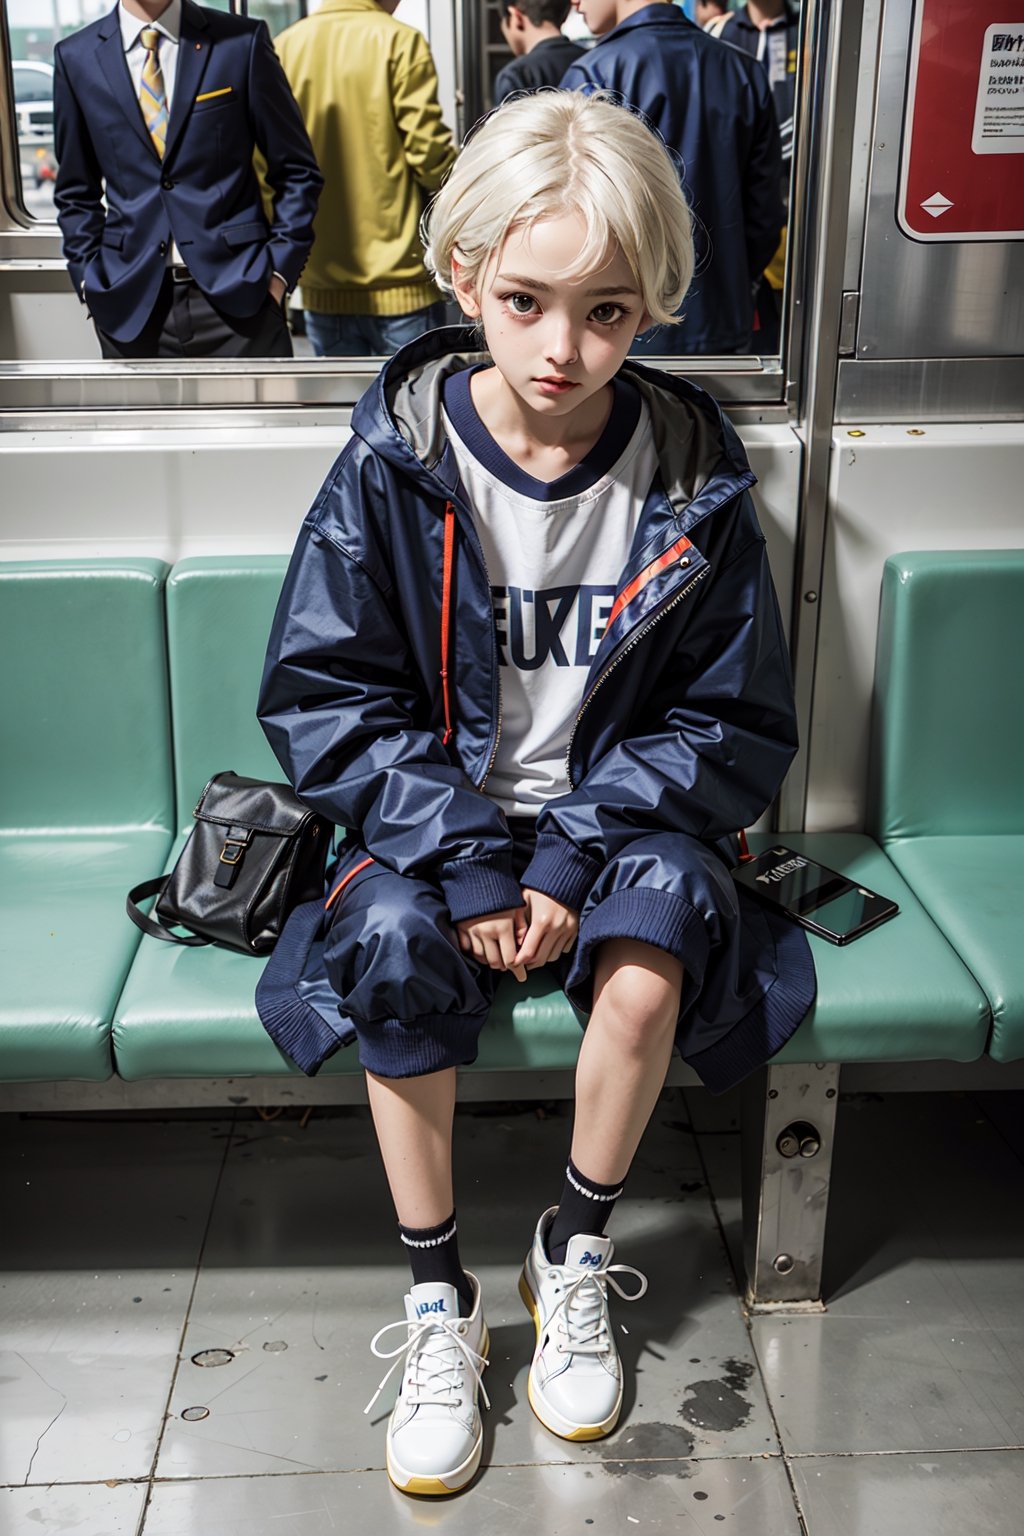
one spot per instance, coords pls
(609, 448)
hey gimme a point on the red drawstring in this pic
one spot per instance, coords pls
(446, 615)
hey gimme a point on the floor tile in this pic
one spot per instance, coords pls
(941, 1495)
(69, 1509)
(735, 1496)
(302, 1266)
(104, 1224)
(922, 1344)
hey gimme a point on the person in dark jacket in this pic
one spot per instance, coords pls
(158, 109)
(713, 108)
(533, 32)
(528, 654)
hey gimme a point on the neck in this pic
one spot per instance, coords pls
(146, 10)
(763, 12)
(541, 34)
(525, 434)
(626, 8)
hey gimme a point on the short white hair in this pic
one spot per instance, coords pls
(553, 153)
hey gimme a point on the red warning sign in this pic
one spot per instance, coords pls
(963, 130)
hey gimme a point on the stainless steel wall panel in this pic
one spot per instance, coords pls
(927, 300)
(931, 390)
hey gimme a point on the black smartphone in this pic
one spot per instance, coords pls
(819, 899)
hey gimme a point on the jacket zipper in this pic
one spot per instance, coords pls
(634, 641)
(497, 666)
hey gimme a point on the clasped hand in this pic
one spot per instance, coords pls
(522, 938)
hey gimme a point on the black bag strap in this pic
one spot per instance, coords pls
(149, 925)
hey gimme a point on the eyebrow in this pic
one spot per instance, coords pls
(591, 293)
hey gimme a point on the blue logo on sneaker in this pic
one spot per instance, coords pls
(423, 1307)
(592, 1260)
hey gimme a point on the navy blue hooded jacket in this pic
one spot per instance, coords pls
(712, 105)
(687, 717)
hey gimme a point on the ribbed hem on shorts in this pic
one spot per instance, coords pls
(654, 917)
(767, 1027)
(476, 887)
(296, 1028)
(400, 299)
(413, 1047)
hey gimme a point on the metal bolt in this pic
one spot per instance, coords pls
(788, 1143)
(830, 1093)
(810, 1145)
(773, 1093)
(810, 597)
(856, 432)
(783, 1264)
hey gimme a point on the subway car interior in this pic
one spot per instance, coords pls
(198, 1244)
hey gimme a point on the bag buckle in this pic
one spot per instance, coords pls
(238, 846)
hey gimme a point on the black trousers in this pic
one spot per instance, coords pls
(185, 324)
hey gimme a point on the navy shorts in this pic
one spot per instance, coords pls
(417, 1003)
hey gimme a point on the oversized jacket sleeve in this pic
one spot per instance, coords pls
(716, 738)
(343, 712)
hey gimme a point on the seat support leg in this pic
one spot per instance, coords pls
(788, 1129)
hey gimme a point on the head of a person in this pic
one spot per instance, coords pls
(706, 10)
(523, 24)
(563, 231)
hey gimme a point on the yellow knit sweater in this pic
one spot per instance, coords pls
(367, 89)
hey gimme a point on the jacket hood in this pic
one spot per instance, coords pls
(400, 418)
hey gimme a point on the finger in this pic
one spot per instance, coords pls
(493, 955)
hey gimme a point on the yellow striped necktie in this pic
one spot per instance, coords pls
(153, 96)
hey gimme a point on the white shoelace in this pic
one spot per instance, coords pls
(436, 1373)
(583, 1308)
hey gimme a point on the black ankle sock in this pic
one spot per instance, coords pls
(584, 1207)
(433, 1254)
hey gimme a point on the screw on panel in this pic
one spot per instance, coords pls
(783, 1264)
(213, 1357)
(191, 1414)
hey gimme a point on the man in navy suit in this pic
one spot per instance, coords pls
(158, 108)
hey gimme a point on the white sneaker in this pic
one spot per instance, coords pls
(435, 1433)
(575, 1383)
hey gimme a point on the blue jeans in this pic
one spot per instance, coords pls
(368, 335)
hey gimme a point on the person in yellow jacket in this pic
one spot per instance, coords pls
(367, 89)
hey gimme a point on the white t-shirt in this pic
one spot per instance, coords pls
(554, 553)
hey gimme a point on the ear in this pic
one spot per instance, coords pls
(465, 290)
(517, 21)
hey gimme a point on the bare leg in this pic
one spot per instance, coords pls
(413, 1119)
(625, 1054)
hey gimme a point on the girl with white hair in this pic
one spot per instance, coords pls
(528, 654)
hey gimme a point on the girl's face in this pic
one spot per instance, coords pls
(556, 342)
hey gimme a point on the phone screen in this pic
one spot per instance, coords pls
(820, 898)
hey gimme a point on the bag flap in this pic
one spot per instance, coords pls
(232, 801)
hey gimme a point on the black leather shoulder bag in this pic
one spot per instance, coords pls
(254, 853)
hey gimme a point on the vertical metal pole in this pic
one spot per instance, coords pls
(824, 164)
(788, 1129)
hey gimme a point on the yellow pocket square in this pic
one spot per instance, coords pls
(225, 90)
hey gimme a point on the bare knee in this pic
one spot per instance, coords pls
(636, 994)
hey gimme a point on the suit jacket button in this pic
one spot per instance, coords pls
(163, 247)
(167, 183)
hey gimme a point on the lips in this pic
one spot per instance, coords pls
(555, 385)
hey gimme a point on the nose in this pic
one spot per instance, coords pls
(561, 348)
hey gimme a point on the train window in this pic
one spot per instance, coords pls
(473, 44)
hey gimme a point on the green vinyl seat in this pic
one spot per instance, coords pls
(948, 801)
(85, 801)
(898, 993)
(191, 1012)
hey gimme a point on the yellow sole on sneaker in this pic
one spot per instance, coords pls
(582, 1431)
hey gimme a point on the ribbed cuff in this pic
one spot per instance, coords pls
(655, 917)
(477, 887)
(561, 870)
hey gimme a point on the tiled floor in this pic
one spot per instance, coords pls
(186, 1306)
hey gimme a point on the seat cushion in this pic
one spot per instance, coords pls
(973, 887)
(899, 993)
(219, 613)
(65, 948)
(948, 740)
(83, 696)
